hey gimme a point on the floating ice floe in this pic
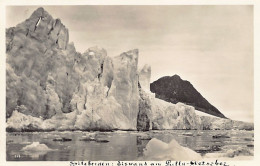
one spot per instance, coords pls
(120, 131)
(232, 154)
(158, 150)
(36, 147)
(35, 150)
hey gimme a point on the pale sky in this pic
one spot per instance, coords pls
(210, 46)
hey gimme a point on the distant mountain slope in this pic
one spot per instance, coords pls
(174, 89)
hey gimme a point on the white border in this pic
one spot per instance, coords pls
(5, 3)
(129, 2)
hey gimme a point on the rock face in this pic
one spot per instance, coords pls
(174, 89)
(49, 82)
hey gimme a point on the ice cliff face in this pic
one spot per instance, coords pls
(145, 77)
(50, 86)
(145, 111)
(64, 89)
(174, 116)
(38, 50)
(214, 123)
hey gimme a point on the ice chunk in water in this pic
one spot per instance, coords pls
(158, 150)
(36, 147)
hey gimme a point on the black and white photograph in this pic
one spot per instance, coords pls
(129, 82)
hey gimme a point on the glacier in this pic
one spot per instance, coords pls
(51, 86)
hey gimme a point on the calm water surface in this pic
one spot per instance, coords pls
(122, 145)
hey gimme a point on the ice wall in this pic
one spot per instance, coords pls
(53, 82)
(50, 86)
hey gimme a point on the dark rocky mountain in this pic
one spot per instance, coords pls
(174, 89)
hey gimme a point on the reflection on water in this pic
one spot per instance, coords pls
(118, 145)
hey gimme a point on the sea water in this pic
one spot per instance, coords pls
(120, 145)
